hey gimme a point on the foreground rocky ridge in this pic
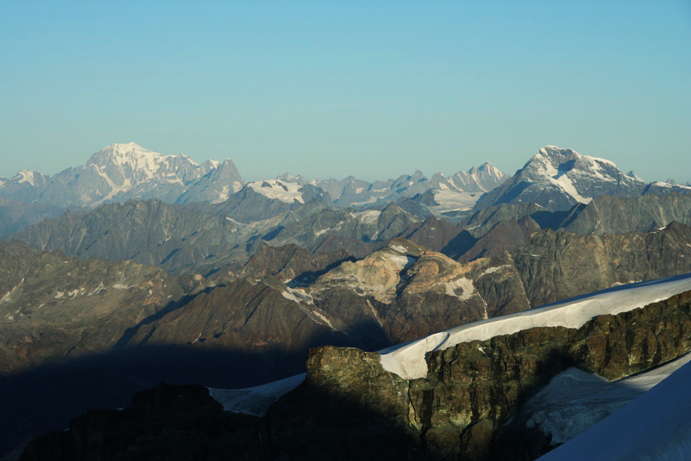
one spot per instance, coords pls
(349, 407)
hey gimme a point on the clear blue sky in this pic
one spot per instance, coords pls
(328, 89)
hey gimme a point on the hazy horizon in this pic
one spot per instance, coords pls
(373, 90)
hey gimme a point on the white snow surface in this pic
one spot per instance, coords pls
(408, 360)
(575, 400)
(287, 192)
(255, 400)
(367, 216)
(654, 426)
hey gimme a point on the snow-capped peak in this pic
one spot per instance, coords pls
(553, 153)
(576, 175)
(134, 155)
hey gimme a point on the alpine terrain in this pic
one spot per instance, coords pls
(155, 308)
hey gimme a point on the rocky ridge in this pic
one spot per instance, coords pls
(350, 407)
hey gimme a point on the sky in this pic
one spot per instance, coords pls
(374, 89)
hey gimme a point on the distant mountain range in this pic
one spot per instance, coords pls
(554, 178)
(122, 172)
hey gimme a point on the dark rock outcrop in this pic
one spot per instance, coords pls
(349, 407)
(170, 422)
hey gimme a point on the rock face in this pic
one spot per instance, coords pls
(475, 387)
(349, 407)
(561, 265)
(504, 236)
(617, 215)
(291, 263)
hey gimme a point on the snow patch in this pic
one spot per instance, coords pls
(367, 216)
(321, 232)
(8, 296)
(287, 192)
(575, 400)
(494, 269)
(464, 285)
(223, 195)
(398, 248)
(654, 426)
(297, 295)
(255, 400)
(450, 200)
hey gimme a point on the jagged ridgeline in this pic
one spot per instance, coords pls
(138, 268)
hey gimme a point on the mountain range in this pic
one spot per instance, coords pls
(554, 178)
(139, 268)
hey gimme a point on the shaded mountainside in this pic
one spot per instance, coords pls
(615, 215)
(147, 232)
(350, 407)
(57, 307)
(264, 319)
(15, 216)
(259, 321)
(291, 263)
